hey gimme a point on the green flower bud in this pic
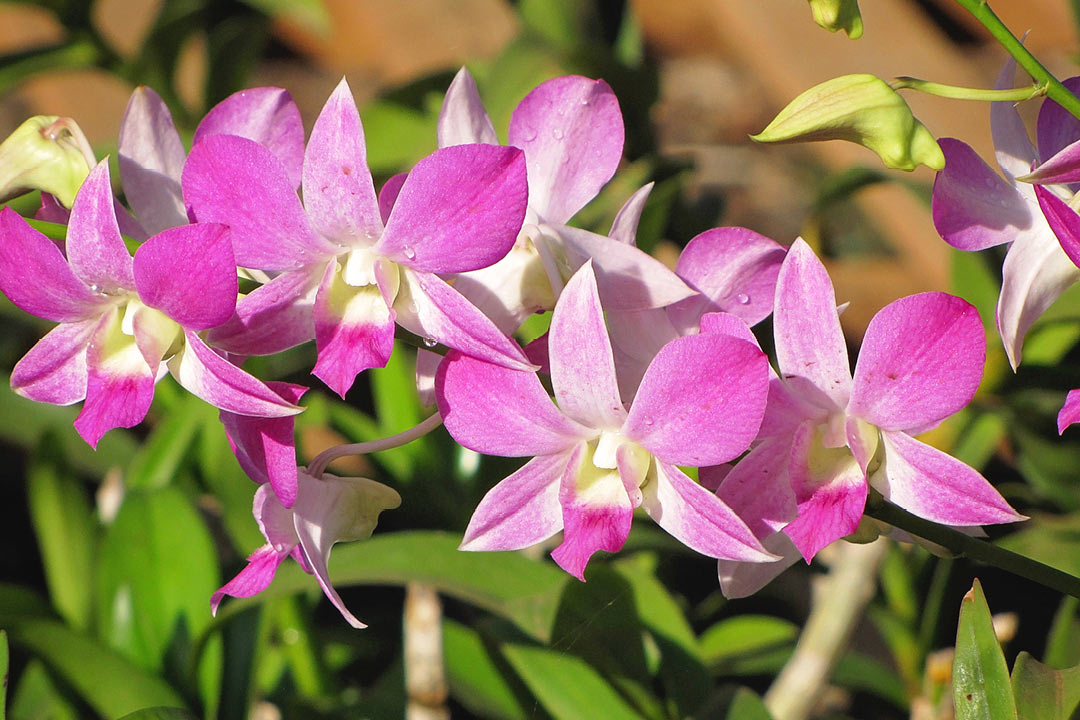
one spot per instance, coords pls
(836, 15)
(46, 153)
(860, 109)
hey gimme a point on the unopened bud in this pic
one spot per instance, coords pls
(860, 109)
(47, 153)
(836, 15)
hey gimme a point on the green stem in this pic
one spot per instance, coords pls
(1054, 89)
(977, 549)
(962, 93)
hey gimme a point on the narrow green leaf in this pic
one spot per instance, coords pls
(746, 705)
(156, 463)
(311, 14)
(475, 679)
(1050, 539)
(1063, 639)
(160, 713)
(1043, 693)
(66, 532)
(4, 674)
(565, 685)
(981, 689)
(110, 684)
(408, 135)
(37, 695)
(745, 636)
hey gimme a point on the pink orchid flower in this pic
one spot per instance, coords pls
(343, 277)
(122, 318)
(974, 208)
(827, 435)
(700, 403)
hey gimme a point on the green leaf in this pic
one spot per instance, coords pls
(156, 463)
(4, 674)
(66, 532)
(733, 642)
(407, 136)
(1063, 639)
(110, 684)
(474, 676)
(1043, 693)
(37, 695)
(981, 689)
(1050, 539)
(160, 713)
(310, 14)
(157, 572)
(565, 685)
(746, 705)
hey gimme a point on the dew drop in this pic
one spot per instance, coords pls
(528, 134)
(557, 133)
(648, 422)
(742, 299)
(430, 342)
(95, 288)
(408, 252)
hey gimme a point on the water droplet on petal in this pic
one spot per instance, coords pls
(557, 133)
(430, 342)
(742, 299)
(528, 134)
(95, 288)
(408, 252)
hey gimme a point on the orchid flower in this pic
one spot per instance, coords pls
(345, 279)
(827, 435)
(974, 208)
(121, 318)
(700, 403)
(327, 510)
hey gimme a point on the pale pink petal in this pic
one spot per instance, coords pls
(735, 271)
(463, 119)
(596, 513)
(1069, 414)
(151, 159)
(810, 347)
(624, 226)
(235, 181)
(636, 337)
(427, 365)
(460, 209)
(275, 317)
(95, 250)
(522, 510)
(921, 361)
(1013, 148)
(1064, 167)
(253, 579)
(54, 370)
(758, 488)
(571, 130)
(1035, 273)
(276, 523)
(512, 289)
(338, 191)
(830, 491)
(701, 400)
(430, 308)
(628, 279)
(189, 274)
(498, 411)
(1057, 127)
(698, 518)
(722, 323)
(973, 207)
(354, 331)
(579, 351)
(743, 579)
(785, 410)
(266, 115)
(211, 377)
(388, 195)
(1063, 221)
(35, 276)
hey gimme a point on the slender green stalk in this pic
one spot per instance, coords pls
(962, 93)
(977, 549)
(1054, 89)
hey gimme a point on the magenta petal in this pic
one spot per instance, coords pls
(722, 323)
(388, 195)
(52, 211)
(151, 159)
(1063, 221)
(95, 250)
(266, 115)
(596, 514)
(571, 130)
(275, 317)
(698, 518)
(735, 271)
(498, 411)
(463, 119)
(758, 488)
(1070, 411)
(1056, 127)
(211, 377)
(973, 207)
(253, 579)
(522, 510)
(236, 181)
(1064, 167)
(440, 312)
(54, 371)
(35, 276)
(460, 209)
(338, 191)
(701, 400)
(189, 274)
(921, 361)
(579, 352)
(810, 347)
(624, 226)
(938, 487)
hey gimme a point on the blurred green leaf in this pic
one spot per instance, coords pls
(4, 674)
(972, 279)
(310, 14)
(160, 713)
(566, 686)
(1063, 640)
(564, 24)
(66, 532)
(79, 52)
(1049, 466)
(397, 405)
(475, 679)
(746, 705)
(980, 439)
(405, 136)
(156, 462)
(1050, 539)
(110, 684)
(981, 689)
(37, 696)
(230, 486)
(1043, 693)
(736, 640)
(855, 671)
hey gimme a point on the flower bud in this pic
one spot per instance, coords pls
(861, 109)
(836, 15)
(46, 153)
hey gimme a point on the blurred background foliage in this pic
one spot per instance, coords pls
(110, 557)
